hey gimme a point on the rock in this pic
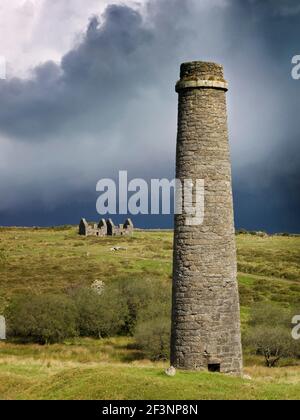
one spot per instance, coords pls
(118, 248)
(2, 328)
(262, 234)
(171, 371)
(98, 286)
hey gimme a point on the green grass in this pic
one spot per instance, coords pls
(274, 256)
(108, 369)
(44, 260)
(55, 259)
(52, 260)
(125, 383)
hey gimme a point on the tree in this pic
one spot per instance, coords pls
(43, 319)
(270, 333)
(100, 315)
(153, 337)
(146, 298)
(273, 343)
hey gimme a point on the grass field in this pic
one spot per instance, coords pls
(43, 260)
(89, 369)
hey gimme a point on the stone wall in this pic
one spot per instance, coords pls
(206, 312)
(86, 229)
(105, 228)
(120, 230)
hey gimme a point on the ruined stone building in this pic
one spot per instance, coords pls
(86, 229)
(105, 228)
(206, 312)
(120, 230)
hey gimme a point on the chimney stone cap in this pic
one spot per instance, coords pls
(201, 74)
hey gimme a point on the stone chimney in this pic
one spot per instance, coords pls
(206, 312)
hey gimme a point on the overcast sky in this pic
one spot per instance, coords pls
(90, 91)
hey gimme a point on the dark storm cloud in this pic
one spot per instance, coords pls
(277, 7)
(110, 105)
(117, 58)
(267, 189)
(89, 75)
(107, 106)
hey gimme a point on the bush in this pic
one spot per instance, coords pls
(153, 337)
(152, 323)
(274, 343)
(100, 315)
(241, 232)
(144, 298)
(270, 334)
(133, 307)
(43, 319)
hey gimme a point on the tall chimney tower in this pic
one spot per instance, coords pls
(206, 312)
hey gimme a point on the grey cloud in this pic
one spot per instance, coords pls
(110, 104)
(113, 63)
(278, 7)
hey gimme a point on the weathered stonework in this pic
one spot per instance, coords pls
(85, 229)
(206, 313)
(105, 228)
(121, 230)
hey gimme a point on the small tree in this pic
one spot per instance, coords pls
(100, 315)
(274, 343)
(270, 333)
(153, 326)
(43, 319)
(153, 337)
(146, 299)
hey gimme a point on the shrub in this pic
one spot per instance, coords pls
(152, 324)
(144, 297)
(242, 232)
(270, 334)
(43, 319)
(274, 343)
(153, 337)
(100, 315)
